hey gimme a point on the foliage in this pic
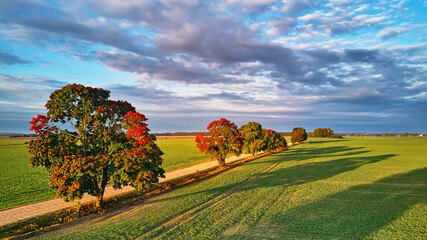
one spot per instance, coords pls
(324, 189)
(298, 135)
(323, 132)
(97, 150)
(253, 137)
(273, 140)
(224, 139)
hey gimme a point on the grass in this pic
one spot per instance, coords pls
(180, 153)
(20, 184)
(356, 188)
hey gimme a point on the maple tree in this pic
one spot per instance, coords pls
(273, 140)
(253, 137)
(224, 139)
(86, 141)
(298, 135)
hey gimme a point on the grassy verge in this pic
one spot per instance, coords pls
(20, 184)
(356, 188)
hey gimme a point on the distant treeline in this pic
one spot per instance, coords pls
(386, 134)
(284, 134)
(12, 135)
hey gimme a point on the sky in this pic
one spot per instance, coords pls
(351, 65)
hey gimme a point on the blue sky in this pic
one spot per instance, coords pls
(354, 66)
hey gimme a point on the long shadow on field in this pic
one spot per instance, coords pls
(306, 153)
(359, 211)
(299, 174)
(313, 171)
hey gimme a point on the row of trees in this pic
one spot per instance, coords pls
(86, 141)
(226, 138)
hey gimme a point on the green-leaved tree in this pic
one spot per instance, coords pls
(86, 141)
(253, 137)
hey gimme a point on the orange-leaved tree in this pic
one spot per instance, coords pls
(298, 135)
(86, 141)
(224, 139)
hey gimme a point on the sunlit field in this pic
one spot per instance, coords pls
(354, 188)
(20, 184)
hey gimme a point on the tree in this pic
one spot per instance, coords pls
(253, 137)
(323, 132)
(298, 135)
(273, 140)
(87, 140)
(224, 139)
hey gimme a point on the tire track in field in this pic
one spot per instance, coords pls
(189, 214)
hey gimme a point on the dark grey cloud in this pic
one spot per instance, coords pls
(59, 24)
(168, 69)
(10, 59)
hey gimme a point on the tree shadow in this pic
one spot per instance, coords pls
(357, 212)
(313, 171)
(303, 154)
(295, 175)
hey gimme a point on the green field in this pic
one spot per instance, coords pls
(20, 184)
(180, 153)
(355, 188)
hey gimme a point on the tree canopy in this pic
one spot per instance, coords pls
(298, 135)
(323, 132)
(224, 139)
(87, 140)
(273, 140)
(253, 137)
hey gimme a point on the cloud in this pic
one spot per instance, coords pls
(392, 32)
(9, 59)
(290, 6)
(26, 93)
(41, 18)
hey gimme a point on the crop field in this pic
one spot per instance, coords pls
(20, 184)
(180, 152)
(355, 188)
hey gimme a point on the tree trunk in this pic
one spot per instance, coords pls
(100, 197)
(221, 162)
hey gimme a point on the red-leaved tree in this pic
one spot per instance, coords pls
(87, 140)
(224, 139)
